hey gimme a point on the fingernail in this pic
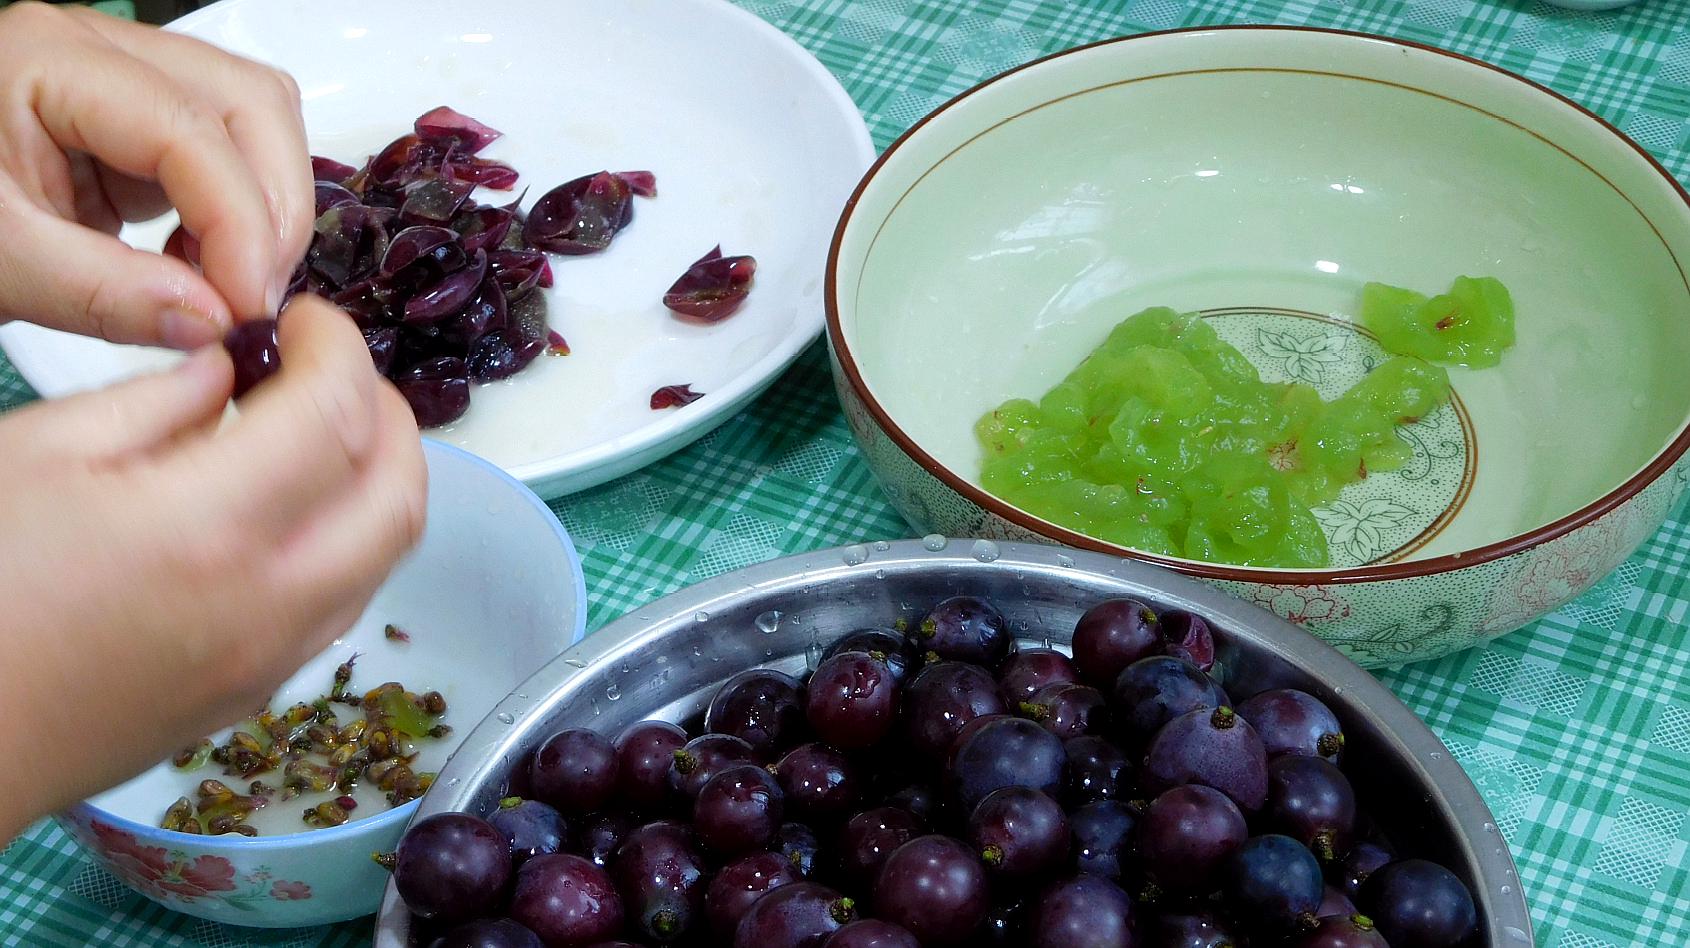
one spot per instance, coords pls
(185, 329)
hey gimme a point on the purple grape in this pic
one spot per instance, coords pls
(660, 873)
(738, 811)
(644, 753)
(868, 838)
(701, 758)
(741, 883)
(488, 933)
(1274, 882)
(1097, 770)
(943, 698)
(1030, 669)
(1153, 691)
(566, 900)
(1294, 722)
(762, 707)
(798, 844)
(1103, 838)
(1333, 901)
(852, 700)
(919, 800)
(1068, 710)
(968, 731)
(253, 349)
(1112, 635)
(713, 288)
(1187, 636)
(1019, 832)
(934, 887)
(580, 216)
(890, 644)
(799, 915)
(1215, 748)
(437, 390)
(1193, 931)
(574, 770)
(1419, 904)
(1363, 860)
(1186, 836)
(962, 629)
(1083, 912)
(1312, 802)
(451, 867)
(1012, 752)
(871, 933)
(1344, 931)
(601, 836)
(819, 782)
(532, 827)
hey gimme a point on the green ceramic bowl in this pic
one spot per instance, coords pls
(1262, 175)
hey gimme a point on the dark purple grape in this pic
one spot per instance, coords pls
(1344, 931)
(1083, 912)
(919, 799)
(713, 288)
(868, 838)
(383, 343)
(1112, 635)
(1019, 833)
(852, 700)
(890, 644)
(701, 758)
(819, 782)
(1186, 836)
(566, 900)
(968, 731)
(1274, 882)
(762, 707)
(1312, 802)
(501, 354)
(580, 216)
(1333, 901)
(1103, 837)
(1185, 635)
(963, 629)
(437, 390)
(532, 827)
(1419, 904)
(934, 887)
(1006, 923)
(1012, 752)
(1030, 669)
(871, 933)
(644, 754)
(488, 933)
(1097, 770)
(451, 867)
(1193, 931)
(1294, 722)
(798, 844)
(738, 811)
(739, 884)
(799, 915)
(1068, 710)
(253, 349)
(1153, 691)
(1211, 747)
(660, 873)
(331, 195)
(327, 169)
(574, 770)
(943, 698)
(1364, 860)
(598, 839)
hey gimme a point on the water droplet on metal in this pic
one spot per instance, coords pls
(1436, 755)
(505, 717)
(701, 616)
(881, 546)
(768, 653)
(768, 622)
(1490, 827)
(697, 650)
(855, 554)
(518, 695)
(1064, 560)
(612, 693)
(812, 656)
(879, 574)
(1517, 936)
(574, 663)
(662, 660)
(933, 542)
(1506, 890)
(985, 551)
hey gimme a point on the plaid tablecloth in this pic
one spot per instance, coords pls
(1576, 729)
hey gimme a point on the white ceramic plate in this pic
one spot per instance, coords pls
(755, 146)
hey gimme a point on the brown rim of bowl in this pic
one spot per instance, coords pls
(1385, 571)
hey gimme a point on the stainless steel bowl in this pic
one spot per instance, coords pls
(665, 661)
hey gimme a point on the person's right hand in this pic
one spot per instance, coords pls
(161, 575)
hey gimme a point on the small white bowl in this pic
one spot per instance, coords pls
(493, 592)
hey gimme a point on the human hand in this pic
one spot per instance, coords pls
(163, 575)
(105, 121)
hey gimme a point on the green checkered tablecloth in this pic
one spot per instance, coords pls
(1577, 729)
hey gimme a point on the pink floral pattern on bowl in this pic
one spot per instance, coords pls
(166, 875)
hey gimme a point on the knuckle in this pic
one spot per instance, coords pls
(286, 87)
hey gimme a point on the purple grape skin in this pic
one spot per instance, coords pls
(1363, 860)
(1019, 832)
(1333, 901)
(451, 867)
(1193, 931)
(1215, 748)
(488, 933)
(797, 843)
(1097, 770)
(436, 391)
(601, 836)
(890, 644)
(1068, 710)
(1153, 691)
(701, 758)
(1312, 802)
(819, 782)
(566, 900)
(1012, 752)
(1419, 904)
(933, 887)
(1185, 635)
(1186, 836)
(1112, 635)
(941, 699)
(1030, 669)
(1273, 881)
(800, 915)
(1103, 838)
(574, 770)
(741, 883)
(762, 707)
(644, 754)
(1342, 931)
(253, 349)
(662, 877)
(871, 933)
(1084, 912)
(1294, 722)
(963, 629)
(532, 827)
(851, 700)
(738, 811)
(869, 838)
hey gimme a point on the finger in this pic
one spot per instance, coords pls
(132, 198)
(92, 206)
